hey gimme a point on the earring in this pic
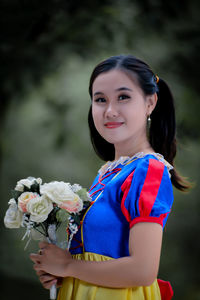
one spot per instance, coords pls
(149, 121)
(148, 125)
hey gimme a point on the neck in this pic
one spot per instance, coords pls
(131, 150)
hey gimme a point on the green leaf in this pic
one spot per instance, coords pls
(83, 194)
(15, 194)
(76, 218)
(35, 187)
(26, 189)
(86, 204)
(62, 215)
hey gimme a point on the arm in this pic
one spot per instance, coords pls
(138, 269)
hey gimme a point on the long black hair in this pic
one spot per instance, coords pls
(162, 132)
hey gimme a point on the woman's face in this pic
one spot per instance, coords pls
(119, 108)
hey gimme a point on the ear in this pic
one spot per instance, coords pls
(151, 102)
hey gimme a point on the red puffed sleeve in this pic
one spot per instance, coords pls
(147, 193)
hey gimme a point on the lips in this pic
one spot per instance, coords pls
(113, 124)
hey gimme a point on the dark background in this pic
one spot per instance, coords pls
(47, 52)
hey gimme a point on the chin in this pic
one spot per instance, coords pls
(112, 140)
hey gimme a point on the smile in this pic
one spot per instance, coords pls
(113, 124)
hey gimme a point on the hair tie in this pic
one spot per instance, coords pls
(157, 79)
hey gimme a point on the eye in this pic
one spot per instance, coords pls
(124, 97)
(100, 100)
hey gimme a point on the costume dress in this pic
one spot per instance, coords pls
(124, 193)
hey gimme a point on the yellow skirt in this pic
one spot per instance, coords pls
(75, 289)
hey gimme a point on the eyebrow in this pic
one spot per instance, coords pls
(123, 88)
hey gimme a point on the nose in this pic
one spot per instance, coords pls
(111, 111)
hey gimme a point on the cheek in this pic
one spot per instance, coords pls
(96, 115)
(142, 120)
(136, 118)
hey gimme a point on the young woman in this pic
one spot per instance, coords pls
(116, 252)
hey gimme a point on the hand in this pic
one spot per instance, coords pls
(52, 260)
(47, 280)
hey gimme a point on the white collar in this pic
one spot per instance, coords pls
(123, 160)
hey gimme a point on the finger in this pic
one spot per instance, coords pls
(48, 285)
(38, 267)
(35, 257)
(46, 278)
(59, 281)
(39, 273)
(43, 244)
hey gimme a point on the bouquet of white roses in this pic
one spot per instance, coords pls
(41, 208)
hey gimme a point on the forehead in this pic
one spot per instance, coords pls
(114, 79)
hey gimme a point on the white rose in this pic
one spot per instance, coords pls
(12, 201)
(13, 217)
(27, 182)
(39, 208)
(76, 187)
(61, 193)
(24, 198)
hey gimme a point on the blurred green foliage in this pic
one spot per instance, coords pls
(47, 52)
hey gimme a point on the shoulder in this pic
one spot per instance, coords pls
(149, 169)
(153, 164)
